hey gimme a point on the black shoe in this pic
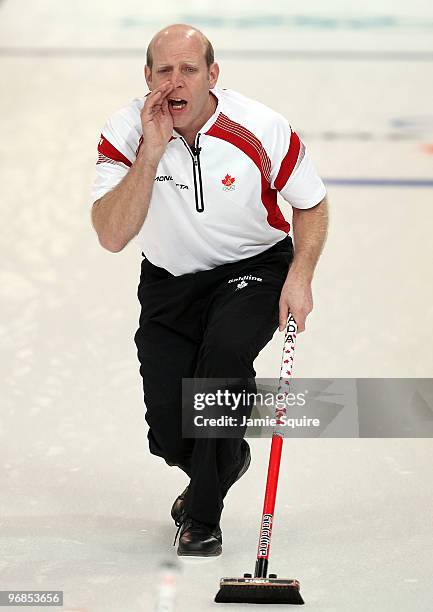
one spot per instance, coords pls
(177, 508)
(198, 539)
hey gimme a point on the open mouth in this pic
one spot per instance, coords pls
(177, 103)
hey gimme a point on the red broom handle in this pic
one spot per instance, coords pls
(275, 454)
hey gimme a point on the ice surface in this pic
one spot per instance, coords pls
(84, 508)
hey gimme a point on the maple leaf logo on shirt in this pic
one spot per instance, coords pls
(228, 181)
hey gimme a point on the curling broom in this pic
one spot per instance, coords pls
(263, 589)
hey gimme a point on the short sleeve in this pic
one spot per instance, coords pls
(116, 154)
(293, 172)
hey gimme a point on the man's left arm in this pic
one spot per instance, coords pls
(310, 228)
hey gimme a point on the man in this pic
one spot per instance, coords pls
(191, 173)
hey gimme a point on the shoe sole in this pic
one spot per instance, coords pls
(194, 554)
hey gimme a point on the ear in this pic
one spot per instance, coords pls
(214, 71)
(148, 76)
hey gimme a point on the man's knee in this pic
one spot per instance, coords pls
(173, 451)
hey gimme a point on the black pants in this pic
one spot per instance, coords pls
(201, 325)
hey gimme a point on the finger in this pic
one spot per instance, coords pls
(160, 89)
(283, 316)
(155, 96)
(161, 92)
(154, 110)
(300, 324)
(154, 102)
(151, 107)
(159, 103)
(164, 107)
(167, 93)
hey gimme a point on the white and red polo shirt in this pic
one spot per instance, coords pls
(216, 202)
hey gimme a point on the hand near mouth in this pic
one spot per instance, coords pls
(156, 122)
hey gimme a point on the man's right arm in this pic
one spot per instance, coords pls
(118, 216)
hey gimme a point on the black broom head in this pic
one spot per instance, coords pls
(259, 591)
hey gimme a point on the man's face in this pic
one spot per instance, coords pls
(181, 60)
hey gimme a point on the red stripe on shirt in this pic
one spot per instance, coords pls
(275, 216)
(289, 162)
(107, 149)
(261, 158)
(245, 140)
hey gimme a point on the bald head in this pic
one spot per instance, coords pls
(183, 32)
